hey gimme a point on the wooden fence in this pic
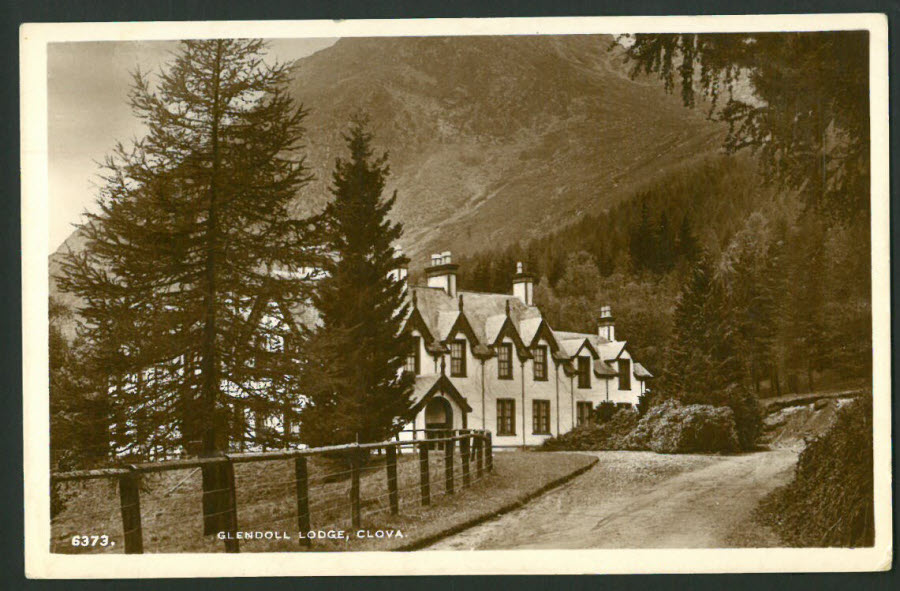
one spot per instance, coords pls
(461, 459)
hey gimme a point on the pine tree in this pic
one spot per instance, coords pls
(686, 246)
(353, 379)
(192, 250)
(663, 256)
(689, 364)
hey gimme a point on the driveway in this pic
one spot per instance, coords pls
(644, 500)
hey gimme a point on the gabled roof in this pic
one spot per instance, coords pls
(611, 350)
(484, 313)
(424, 390)
(509, 330)
(574, 346)
(485, 318)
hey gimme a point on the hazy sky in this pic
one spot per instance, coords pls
(87, 87)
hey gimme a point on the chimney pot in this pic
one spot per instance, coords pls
(442, 273)
(523, 285)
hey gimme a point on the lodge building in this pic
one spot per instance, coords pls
(491, 361)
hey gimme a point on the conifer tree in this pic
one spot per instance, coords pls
(193, 245)
(353, 379)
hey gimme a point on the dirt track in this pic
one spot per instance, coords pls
(644, 500)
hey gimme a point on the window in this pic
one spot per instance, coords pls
(540, 417)
(412, 360)
(540, 363)
(506, 416)
(624, 374)
(584, 372)
(584, 412)
(458, 358)
(504, 361)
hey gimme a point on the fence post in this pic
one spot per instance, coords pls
(448, 465)
(301, 474)
(130, 499)
(489, 450)
(424, 483)
(231, 545)
(354, 488)
(479, 455)
(392, 479)
(464, 455)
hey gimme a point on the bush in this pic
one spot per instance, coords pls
(830, 502)
(593, 436)
(604, 411)
(672, 428)
(645, 402)
(748, 415)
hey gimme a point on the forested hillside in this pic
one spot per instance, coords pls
(787, 294)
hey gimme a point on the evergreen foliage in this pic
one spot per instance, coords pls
(193, 250)
(807, 115)
(79, 429)
(353, 379)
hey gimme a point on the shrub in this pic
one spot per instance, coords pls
(672, 428)
(830, 501)
(645, 401)
(748, 415)
(609, 435)
(604, 411)
(747, 411)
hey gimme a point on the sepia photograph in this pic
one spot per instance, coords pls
(569, 285)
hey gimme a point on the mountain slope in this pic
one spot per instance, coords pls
(492, 139)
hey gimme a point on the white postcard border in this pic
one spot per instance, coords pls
(40, 563)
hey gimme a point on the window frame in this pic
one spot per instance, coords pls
(506, 348)
(545, 373)
(584, 374)
(540, 416)
(624, 374)
(579, 419)
(415, 355)
(461, 372)
(504, 418)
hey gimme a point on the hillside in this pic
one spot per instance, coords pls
(493, 139)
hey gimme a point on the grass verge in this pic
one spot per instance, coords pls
(266, 501)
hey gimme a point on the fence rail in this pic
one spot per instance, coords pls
(453, 462)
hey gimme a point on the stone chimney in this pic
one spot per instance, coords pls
(606, 327)
(402, 270)
(523, 285)
(442, 273)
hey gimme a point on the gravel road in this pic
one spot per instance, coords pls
(644, 500)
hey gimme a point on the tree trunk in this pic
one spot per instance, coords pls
(215, 501)
(209, 358)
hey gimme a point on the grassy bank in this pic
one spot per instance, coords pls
(830, 500)
(170, 503)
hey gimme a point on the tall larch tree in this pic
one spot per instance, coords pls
(192, 243)
(354, 381)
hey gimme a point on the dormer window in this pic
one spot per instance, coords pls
(540, 363)
(413, 361)
(458, 358)
(584, 372)
(624, 374)
(504, 361)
